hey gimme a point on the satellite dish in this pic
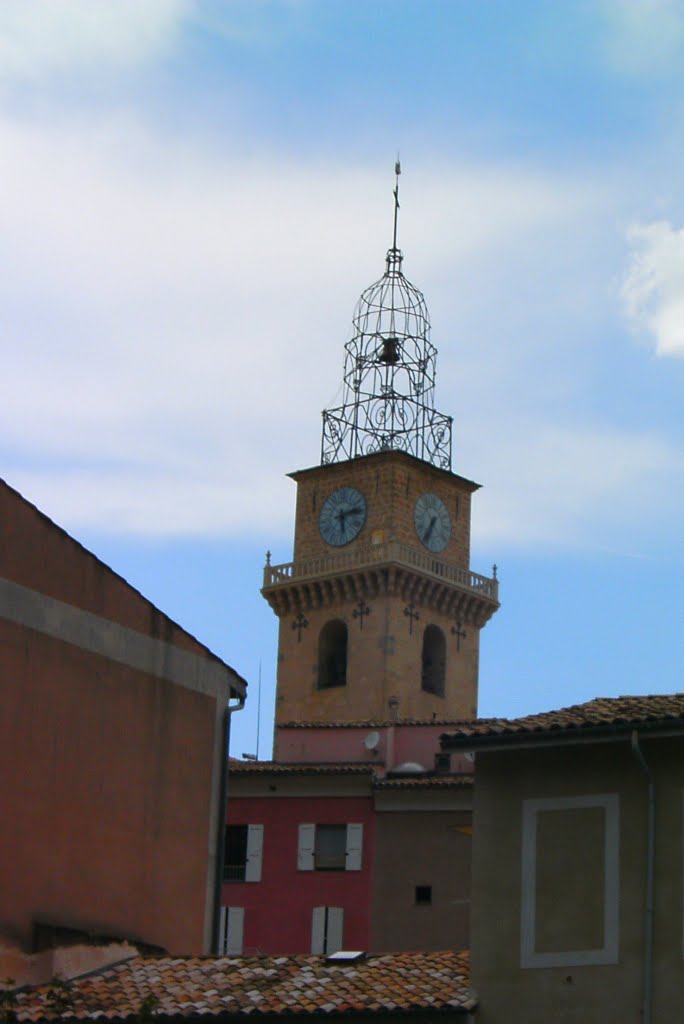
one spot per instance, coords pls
(469, 755)
(372, 740)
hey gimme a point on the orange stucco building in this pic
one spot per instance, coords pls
(113, 730)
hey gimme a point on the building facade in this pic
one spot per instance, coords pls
(578, 878)
(113, 732)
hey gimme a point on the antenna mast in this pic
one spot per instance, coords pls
(397, 171)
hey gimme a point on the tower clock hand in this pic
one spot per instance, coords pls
(428, 532)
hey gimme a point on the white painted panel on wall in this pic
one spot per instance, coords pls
(255, 845)
(236, 926)
(305, 849)
(318, 930)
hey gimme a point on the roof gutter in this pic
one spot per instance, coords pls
(647, 996)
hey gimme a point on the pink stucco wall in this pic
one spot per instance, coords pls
(397, 744)
(278, 909)
(106, 769)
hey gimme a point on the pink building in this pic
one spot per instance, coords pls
(328, 855)
(113, 733)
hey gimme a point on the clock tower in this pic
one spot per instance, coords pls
(379, 611)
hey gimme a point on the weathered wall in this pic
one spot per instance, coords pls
(418, 848)
(109, 748)
(404, 741)
(575, 989)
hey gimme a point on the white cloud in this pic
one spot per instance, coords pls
(41, 37)
(644, 36)
(653, 289)
(572, 484)
(174, 320)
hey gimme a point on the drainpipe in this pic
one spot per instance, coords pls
(221, 824)
(650, 881)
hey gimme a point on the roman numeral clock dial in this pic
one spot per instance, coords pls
(432, 522)
(342, 516)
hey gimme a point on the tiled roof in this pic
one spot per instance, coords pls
(212, 986)
(603, 715)
(300, 768)
(428, 780)
(370, 723)
(432, 781)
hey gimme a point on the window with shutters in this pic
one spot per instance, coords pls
(330, 847)
(330, 850)
(327, 929)
(242, 853)
(332, 655)
(433, 663)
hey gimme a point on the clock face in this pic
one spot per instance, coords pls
(342, 516)
(433, 524)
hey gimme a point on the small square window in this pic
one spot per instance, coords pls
(235, 855)
(423, 895)
(331, 847)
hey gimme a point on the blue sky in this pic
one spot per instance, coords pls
(193, 196)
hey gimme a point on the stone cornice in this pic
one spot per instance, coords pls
(466, 596)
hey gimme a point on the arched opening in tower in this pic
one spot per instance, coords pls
(433, 664)
(332, 655)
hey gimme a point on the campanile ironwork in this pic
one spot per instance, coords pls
(389, 374)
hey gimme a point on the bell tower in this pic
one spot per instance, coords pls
(379, 611)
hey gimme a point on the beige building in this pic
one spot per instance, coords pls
(578, 858)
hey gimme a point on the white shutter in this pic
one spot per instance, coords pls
(318, 930)
(333, 941)
(236, 922)
(223, 931)
(305, 850)
(255, 843)
(354, 848)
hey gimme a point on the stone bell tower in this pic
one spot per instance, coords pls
(380, 613)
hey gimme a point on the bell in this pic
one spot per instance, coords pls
(390, 351)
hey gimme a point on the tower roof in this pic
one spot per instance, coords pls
(389, 374)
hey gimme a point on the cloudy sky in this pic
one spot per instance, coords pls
(195, 192)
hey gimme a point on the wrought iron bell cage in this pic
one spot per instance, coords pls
(389, 375)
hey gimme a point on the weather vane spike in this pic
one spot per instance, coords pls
(397, 171)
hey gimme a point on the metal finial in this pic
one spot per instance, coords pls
(389, 374)
(495, 569)
(268, 558)
(397, 172)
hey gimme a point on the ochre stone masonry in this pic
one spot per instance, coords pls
(390, 482)
(397, 585)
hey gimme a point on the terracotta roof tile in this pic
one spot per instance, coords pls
(301, 768)
(428, 780)
(262, 985)
(438, 781)
(603, 714)
(374, 723)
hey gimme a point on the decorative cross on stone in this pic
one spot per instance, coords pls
(412, 614)
(460, 634)
(360, 612)
(300, 623)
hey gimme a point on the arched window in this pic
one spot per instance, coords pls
(332, 655)
(433, 661)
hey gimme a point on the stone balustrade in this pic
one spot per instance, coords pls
(374, 554)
